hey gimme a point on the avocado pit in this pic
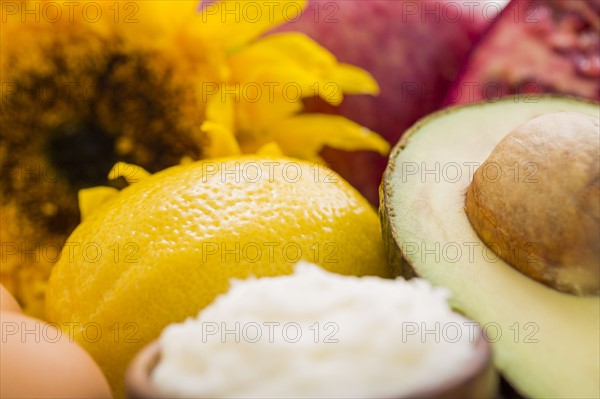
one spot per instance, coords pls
(535, 201)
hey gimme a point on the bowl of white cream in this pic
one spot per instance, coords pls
(315, 334)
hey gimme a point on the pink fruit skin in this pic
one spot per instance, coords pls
(535, 46)
(414, 49)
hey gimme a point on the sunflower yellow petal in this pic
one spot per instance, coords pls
(300, 65)
(91, 198)
(149, 21)
(130, 172)
(303, 136)
(220, 106)
(221, 141)
(234, 23)
(285, 60)
(354, 80)
(271, 149)
(254, 117)
(291, 47)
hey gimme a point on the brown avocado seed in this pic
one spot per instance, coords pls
(536, 201)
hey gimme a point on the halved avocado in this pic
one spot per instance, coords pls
(546, 343)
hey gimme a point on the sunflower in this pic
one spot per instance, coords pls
(89, 84)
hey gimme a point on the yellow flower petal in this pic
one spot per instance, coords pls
(164, 14)
(91, 198)
(303, 136)
(270, 149)
(147, 22)
(220, 106)
(130, 172)
(233, 23)
(296, 66)
(293, 47)
(186, 160)
(254, 118)
(354, 80)
(221, 141)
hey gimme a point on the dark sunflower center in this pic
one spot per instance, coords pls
(65, 124)
(83, 153)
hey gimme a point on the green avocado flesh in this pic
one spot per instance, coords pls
(545, 343)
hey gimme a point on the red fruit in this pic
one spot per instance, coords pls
(536, 46)
(413, 49)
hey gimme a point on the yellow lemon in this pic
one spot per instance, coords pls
(164, 248)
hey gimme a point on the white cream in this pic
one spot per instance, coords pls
(316, 334)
